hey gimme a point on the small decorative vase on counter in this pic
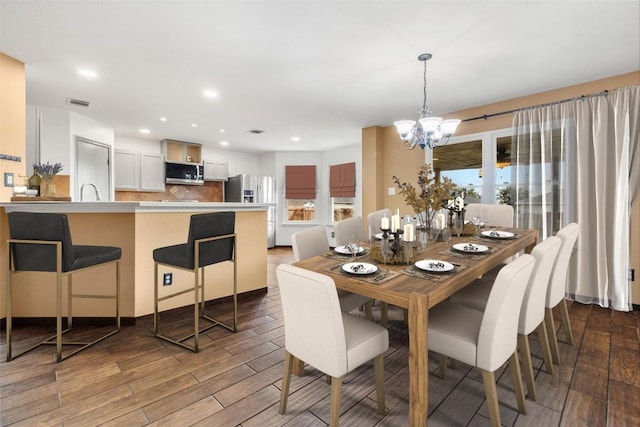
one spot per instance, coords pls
(34, 182)
(47, 189)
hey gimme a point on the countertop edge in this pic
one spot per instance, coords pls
(131, 207)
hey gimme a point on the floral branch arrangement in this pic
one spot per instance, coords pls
(428, 197)
(47, 171)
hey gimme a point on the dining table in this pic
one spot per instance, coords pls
(419, 289)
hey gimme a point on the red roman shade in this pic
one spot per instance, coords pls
(342, 180)
(300, 182)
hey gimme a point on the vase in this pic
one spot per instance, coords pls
(34, 182)
(47, 189)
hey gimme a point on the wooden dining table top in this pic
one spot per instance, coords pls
(438, 286)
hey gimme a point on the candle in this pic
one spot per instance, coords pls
(441, 221)
(408, 233)
(384, 223)
(459, 203)
(450, 203)
(395, 223)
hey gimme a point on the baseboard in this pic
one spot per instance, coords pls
(125, 321)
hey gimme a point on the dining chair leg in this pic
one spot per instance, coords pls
(551, 332)
(527, 365)
(566, 324)
(336, 388)
(442, 366)
(546, 350)
(516, 375)
(378, 366)
(286, 380)
(491, 394)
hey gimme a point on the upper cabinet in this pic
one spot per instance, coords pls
(138, 171)
(182, 152)
(216, 170)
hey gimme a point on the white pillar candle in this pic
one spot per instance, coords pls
(384, 223)
(395, 223)
(408, 233)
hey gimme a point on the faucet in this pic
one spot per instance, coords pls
(94, 189)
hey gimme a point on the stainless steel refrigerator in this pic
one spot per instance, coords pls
(255, 189)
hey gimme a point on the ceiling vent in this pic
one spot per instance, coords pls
(255, 131)
(78, 102)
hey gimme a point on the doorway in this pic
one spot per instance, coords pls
(93, 180)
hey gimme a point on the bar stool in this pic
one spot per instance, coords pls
(42, 242)
(211, 240)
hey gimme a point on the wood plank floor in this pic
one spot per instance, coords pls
(134, 379)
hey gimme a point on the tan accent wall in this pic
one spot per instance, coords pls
(384, 154)
(12, 138)
(12, 121)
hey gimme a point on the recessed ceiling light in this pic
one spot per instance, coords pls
(222, 130)
(210, 93)
(88, 73)
(225, 143)
(295, 138)
(143, 130)
(195, 125)
(163, 119)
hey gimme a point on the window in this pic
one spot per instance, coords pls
(300, 192)
(342, 190)
(480, 164)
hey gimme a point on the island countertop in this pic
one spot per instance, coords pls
(130, 207)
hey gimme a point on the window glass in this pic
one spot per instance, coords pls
(462, 163)
(301, 210)
(342, 208)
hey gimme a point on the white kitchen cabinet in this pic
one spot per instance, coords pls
(215, 170)
(126, 170)
(151, 172)
(138, 171)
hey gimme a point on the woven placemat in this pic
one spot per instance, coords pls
(485, 240)
(414, 271)
(345, 257)
(376, 278)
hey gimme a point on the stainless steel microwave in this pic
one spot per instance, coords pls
(183, 173)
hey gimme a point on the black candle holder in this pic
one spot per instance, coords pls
(395, 246)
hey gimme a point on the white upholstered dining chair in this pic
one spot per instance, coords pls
(532, 311)
(495, 214)
(350, 228)
(486, 339)
(313, 241)
(557, 289)
(317, 332)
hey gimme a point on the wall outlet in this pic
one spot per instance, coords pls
(168, 279)
(333, 234)
(631, 275)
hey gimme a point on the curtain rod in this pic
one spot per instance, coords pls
(502, 113)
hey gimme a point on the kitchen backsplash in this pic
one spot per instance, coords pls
(211, 191)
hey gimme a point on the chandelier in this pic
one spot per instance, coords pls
(428, 131)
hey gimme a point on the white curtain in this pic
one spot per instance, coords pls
(579, 161)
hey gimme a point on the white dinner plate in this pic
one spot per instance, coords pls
(470, 248)
(345, 250)
(360, 268)
(495, 234)
(379, 236)
(434, 265)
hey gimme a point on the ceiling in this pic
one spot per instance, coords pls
(317, 70)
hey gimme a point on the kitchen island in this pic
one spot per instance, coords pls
(138, 228)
